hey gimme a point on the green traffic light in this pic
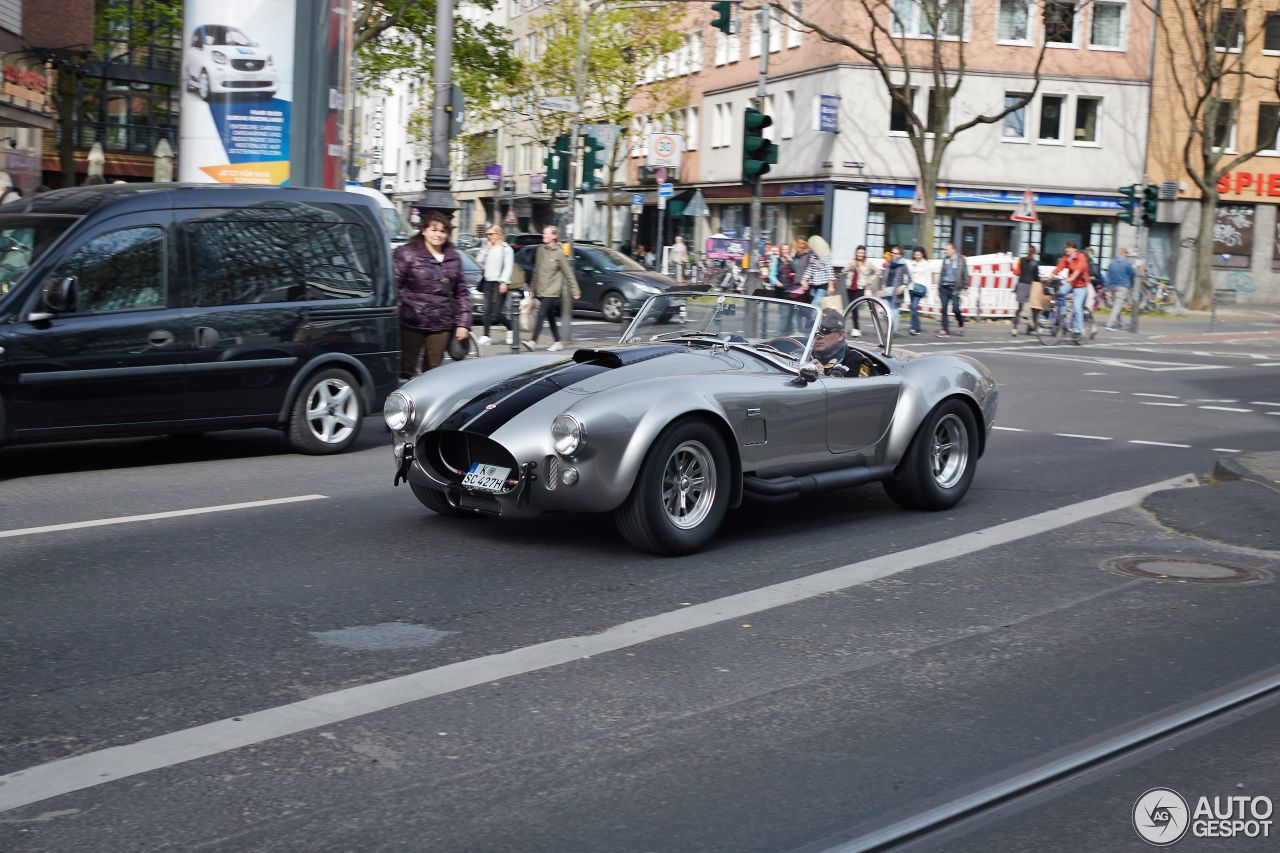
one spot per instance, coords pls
(757, 151)
(591, 162)
(724, 17)
(1128, 204)
(1150, 205)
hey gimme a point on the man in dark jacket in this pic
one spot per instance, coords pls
(434, 302)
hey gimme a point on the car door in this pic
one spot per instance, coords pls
(245, 276)
(590, 280)
(859, 410)
(114, 352)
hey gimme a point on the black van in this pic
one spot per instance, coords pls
(136, 309)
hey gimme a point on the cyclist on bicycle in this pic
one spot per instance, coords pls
(1076, 263)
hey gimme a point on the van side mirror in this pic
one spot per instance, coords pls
(60, 293)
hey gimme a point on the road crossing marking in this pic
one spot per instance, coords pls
(1223, 409)
(1224, 450)
(1260, 403)
(79, 772)
(152, 516)
(1158, 443)
(1008, 429)
(1162, 396)
(1095, 391)
(1090, 437)
(1174, 405)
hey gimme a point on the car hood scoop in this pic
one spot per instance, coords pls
(625, 355)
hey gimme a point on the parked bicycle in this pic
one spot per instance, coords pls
(1057, 322)
(1157, 293)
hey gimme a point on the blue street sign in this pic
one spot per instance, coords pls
(829, 113)
(637, 199)
(666, 190)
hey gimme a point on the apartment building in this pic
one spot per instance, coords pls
(1246, 234)
(1081, 137)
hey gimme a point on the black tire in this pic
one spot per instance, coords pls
(337, 392)
(203, 88)
(922, 484)
(613, 306)
(645, 521)
(437, 502)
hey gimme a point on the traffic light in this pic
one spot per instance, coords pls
(558, 163)
(724, 17)
(1129, 204)
(757, 152)
(1150, 203)
(592, 162)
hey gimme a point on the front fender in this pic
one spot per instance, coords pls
(927, 382)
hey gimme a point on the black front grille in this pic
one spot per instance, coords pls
(449, 454)
(246, 84)
(247, 64)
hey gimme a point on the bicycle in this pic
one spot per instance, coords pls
(1057, 322)
(1157, 293)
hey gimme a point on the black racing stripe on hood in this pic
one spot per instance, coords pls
(492, 395)
(491, 420)
(626, 355)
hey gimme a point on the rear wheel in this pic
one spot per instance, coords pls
(940, 463)
(612, 306)
(327, 414)
(681, 493)
(437, 502)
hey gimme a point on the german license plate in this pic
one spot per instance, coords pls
(486, 478)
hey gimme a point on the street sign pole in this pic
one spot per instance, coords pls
(756, 244)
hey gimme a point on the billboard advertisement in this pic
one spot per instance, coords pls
(237, 68)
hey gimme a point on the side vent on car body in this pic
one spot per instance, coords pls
(552, 477)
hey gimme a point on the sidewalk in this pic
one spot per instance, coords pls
(1238, 505)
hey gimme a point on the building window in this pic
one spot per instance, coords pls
(1224, 129)
(937, 119)
(753, 41)
(1051, 118)
(1229, 34)
(1014, 126)
(1087, 110)
(787, 116)
(1060, 22)
(1269, 128)
(1108, 25)
(691, 129)
(898, 122)
(1271, 33)
(1013, 21)
(794, 35)
(917, 18)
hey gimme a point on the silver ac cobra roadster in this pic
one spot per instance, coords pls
(708, 399)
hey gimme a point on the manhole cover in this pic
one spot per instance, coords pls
(1183, 570)
(387, 636)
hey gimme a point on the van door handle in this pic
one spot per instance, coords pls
(206, 336)
(160, 338)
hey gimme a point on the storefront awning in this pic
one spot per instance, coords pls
(11, 116)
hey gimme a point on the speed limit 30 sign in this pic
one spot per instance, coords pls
(665, 149)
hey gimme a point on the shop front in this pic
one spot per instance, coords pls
(24, 112)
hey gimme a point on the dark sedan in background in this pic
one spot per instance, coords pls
(611, 283)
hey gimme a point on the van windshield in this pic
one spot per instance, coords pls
(23, 241)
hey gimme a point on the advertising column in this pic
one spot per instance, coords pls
(237, 102)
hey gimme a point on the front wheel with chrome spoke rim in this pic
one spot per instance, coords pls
(681, 492)
(939, 464)
(327, 413)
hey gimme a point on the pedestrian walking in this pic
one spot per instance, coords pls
(864, 277)
(434, 302)
(799, 258)
(679, 257)
(497, 258)
(921, 272)
(818, 275)
(894, 283)
(952, 282)
(1121, 275)
(1028, 277)
(551, 272)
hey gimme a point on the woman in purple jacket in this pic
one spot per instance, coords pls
(434, 302)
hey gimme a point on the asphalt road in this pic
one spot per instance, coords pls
(953, 647)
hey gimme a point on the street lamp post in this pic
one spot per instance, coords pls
(436, 194)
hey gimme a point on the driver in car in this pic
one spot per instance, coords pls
(832, 353)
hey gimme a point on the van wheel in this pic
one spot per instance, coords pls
(611, 306)
(327, 414)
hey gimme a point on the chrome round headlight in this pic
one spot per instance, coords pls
(567, 434)
(398, 411)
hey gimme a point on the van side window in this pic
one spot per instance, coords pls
(120, 271)
(238, 262)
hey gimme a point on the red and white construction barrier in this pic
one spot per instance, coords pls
(990, 294)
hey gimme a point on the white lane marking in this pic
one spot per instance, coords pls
(1267, 364)
(1260, 403)
(1174, 405)
(1090, 437)
(1158, 443)
(56, 778)
(1095, 373)
(1096, 391)
(1008, 429)
(1223, 409)
(1225, 450)
(1161, 396)
(152, 516)
(1134, 364)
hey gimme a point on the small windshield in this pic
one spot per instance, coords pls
(227, 36)
(23, 241)
(610, 260)
(770, 325)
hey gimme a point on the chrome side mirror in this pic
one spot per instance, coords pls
(809, 373)
(60, 294)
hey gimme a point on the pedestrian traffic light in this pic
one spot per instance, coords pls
(757, 152)
(592, 162)
(1129, 204)
(558, 163)
(1150, 204)
(724, 17)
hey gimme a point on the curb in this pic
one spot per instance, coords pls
(1231, 468)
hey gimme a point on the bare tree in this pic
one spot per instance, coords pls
(904, 61)
(1206, 51)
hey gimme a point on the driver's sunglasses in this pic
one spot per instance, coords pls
(826, 330)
